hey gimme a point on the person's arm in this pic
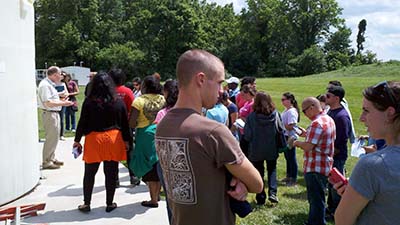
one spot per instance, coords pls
(246, 173)
(234, 116)
(306, 146)
(350, 207)
(133, 117)
(55, 103)
(290, 126)
(75, 89)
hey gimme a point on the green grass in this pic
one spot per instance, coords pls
(293, 206)
(80, 98)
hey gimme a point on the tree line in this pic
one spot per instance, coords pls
(268, 39)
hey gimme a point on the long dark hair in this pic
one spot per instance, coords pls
(151, 85)
(103, 89)
(293, 101)
(247, 89)
(263, 103)
(171, 88)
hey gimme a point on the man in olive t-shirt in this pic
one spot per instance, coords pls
(196, 153)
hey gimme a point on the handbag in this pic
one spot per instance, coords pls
(74, 107)
(280, 138)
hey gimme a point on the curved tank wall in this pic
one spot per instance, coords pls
(19, 148)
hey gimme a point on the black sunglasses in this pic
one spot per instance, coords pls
(384, 91)
(305, 110)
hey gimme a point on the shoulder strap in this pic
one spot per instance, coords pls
(278, 122)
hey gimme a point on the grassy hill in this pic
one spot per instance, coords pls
(293, 206)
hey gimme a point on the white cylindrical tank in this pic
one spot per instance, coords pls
(19, 147)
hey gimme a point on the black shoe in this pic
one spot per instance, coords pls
(134, 181)
(111, 207)
(273, 199)
(260, 198)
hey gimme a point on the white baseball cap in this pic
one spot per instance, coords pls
(233, 80)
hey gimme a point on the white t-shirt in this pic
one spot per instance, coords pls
(289, 116)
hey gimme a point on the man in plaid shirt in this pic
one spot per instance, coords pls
(318, 157)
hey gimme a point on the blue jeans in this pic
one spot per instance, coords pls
(291, 164)
(62, 113)
(70, 118)
(162, 181)
(316, 184)
(333, 197)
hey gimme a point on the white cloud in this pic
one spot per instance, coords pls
(383, 19)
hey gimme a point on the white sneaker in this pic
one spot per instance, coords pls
(73, 130)
(62, 138)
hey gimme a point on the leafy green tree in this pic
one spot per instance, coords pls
(338, 49)
(311, 61)
(124, 56)
(312, 20)
(362, 27)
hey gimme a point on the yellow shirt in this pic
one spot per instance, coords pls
(148, 106)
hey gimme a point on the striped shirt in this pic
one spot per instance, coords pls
(321, 133)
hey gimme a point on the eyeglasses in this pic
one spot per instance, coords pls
(383, 89)
(305, 110)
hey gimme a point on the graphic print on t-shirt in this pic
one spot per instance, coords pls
(177, 169)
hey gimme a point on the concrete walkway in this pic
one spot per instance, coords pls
(61, 190)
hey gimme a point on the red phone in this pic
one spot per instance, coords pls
(335, 176)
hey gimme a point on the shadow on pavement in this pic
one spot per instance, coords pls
(127, 212)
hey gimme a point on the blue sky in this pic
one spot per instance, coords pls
(383, 23)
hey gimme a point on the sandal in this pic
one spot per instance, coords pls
(84, 208)
(149, 204)
(111, 207)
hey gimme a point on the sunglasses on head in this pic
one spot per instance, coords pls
(385, 92)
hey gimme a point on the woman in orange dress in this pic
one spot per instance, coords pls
(104, 122)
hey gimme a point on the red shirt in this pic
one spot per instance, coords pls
(126, 95)
(321, 133)
(240, 101)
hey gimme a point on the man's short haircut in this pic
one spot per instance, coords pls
(118, 76)
(195, 61)
(312, 101)
(335, 83)
(53, 70)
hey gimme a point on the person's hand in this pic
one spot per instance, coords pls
(239, 191)
(369, 148)
(303, 132)
(366, 137)
(340, 187)
(66, 102)
(77, 145)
